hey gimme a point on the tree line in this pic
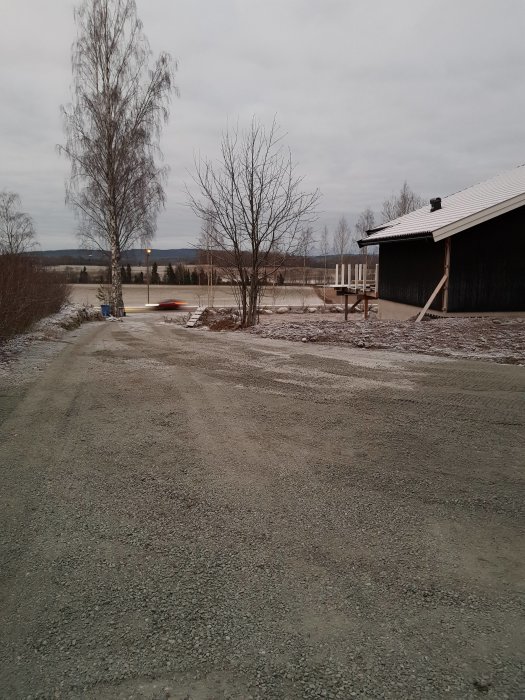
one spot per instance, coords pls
(173, 275)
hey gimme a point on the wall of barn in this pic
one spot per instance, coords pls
(410, 270)
(487, 266)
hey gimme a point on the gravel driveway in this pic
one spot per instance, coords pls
(205, 515)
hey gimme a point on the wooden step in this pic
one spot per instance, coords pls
(195, 317)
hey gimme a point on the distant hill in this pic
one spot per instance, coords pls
(136, 256)
(188, 256)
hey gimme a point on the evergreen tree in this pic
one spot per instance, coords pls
(128, 274)
(83, 277)
(181, 276)
(170, 276)
(155, 277)
(194, 277)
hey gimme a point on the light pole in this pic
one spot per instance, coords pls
(148, 253)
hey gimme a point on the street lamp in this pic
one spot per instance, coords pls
(148, 253)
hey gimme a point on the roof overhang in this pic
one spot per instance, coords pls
(392, 239)
(479, 217)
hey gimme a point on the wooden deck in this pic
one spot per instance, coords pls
(356, 282)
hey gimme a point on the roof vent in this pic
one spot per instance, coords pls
(435, 204)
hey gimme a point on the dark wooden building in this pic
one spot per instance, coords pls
(462, 254)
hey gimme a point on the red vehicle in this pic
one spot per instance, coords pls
(170, 305)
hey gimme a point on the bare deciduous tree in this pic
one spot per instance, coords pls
(205, 244)
(112, 130)
(305, 243)
(17, 233)
(365, 222)
(255, 206)
(342, 236)
(324, 247)
(403, 203)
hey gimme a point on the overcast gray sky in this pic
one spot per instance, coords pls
(369, 93)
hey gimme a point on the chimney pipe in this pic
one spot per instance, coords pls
(435, 204)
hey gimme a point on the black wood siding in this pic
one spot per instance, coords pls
(487, 266)
(410, 270)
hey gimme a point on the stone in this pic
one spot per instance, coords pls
(482, 684)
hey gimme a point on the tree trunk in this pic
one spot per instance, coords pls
(324, 283)
(243, 296)
(253, 300)
(117, 301)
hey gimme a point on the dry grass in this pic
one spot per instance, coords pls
(223, 324)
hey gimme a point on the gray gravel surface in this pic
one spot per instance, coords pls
(487, 339)
(198, 515)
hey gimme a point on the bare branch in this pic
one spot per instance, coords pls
(365, 222)
(401, 204)
(342, 236)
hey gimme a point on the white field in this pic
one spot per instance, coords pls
(136, 295)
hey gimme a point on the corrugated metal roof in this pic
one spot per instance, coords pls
(458, 211)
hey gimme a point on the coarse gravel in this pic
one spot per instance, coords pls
(205, 515)
(488, 339)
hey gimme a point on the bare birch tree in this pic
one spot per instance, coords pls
(342, 237)
(17, 232)
(112, 130)
(256, 207)
(401, 204)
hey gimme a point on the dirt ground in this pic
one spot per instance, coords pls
(205, 515)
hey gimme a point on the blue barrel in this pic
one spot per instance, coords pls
(105, 308)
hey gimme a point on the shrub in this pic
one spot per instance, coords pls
(28, 292)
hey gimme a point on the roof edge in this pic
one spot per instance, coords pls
(479, 217)
(392, 239)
